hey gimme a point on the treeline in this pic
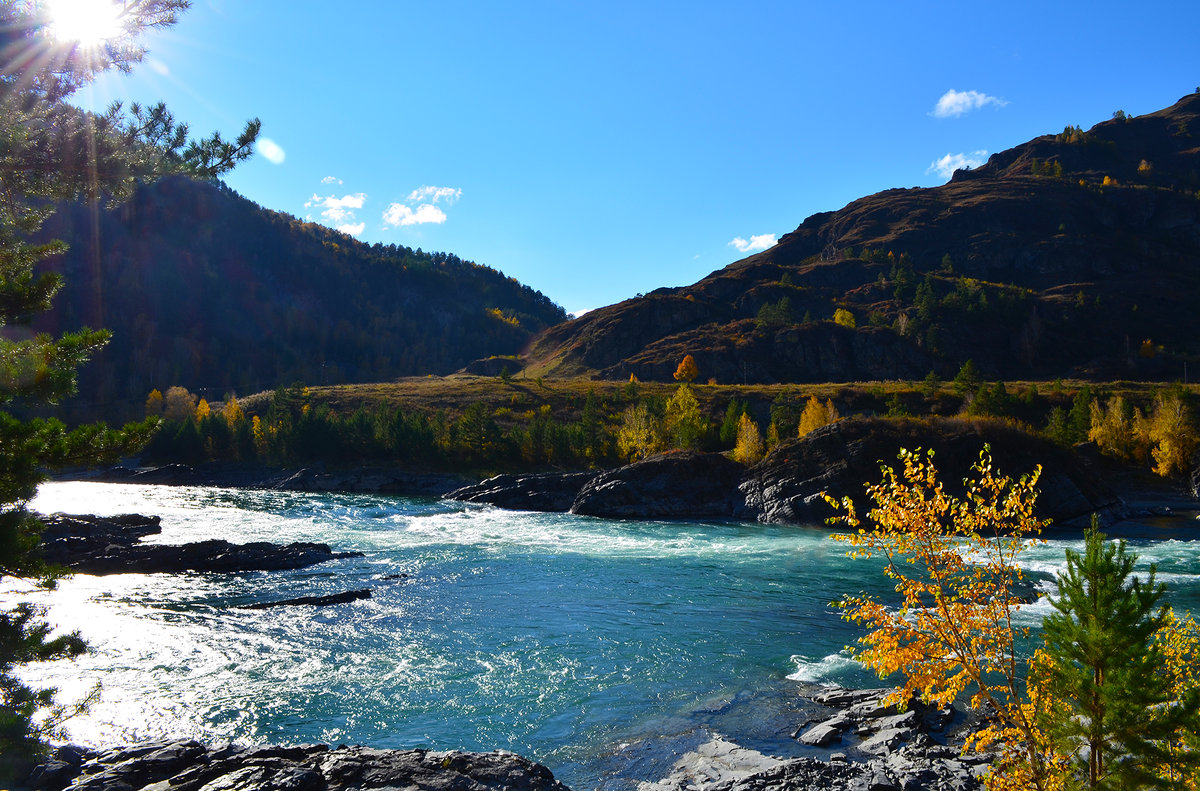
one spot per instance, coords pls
(539, 427)
(579, 431)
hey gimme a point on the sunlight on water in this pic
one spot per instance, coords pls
(553, 635)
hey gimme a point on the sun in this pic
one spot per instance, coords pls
(87, 23)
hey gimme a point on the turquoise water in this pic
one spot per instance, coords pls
(567, 639)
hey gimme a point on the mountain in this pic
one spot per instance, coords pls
(205, 289)
(1074, 254)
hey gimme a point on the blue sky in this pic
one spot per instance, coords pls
(596, 151)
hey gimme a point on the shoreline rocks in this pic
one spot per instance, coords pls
(187, 765)
(881, 748)
(90, 544)
(860, 744)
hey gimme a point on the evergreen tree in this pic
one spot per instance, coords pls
(729, 426)
(592, 428)
(1105, 665)
(967, 381)
(51, 151)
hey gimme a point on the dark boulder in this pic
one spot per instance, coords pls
(546, 491)
(684, 485)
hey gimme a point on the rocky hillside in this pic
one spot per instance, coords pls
(205, 289)
(1074, 254)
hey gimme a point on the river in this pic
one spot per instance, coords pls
(600, 648)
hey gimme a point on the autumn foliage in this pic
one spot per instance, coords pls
(1111, 700)
(687, 370)
(954, 563)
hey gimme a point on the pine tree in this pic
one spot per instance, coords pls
(729, 426)
(51, 151)
(1105, 665)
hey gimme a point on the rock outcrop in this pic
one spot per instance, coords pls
(190, 766)
(111, 545)
(545, 491)
(786, 487)
(837, 459)
(683, 485)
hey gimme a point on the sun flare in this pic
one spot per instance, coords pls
(90, 23)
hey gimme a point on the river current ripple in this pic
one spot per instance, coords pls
(600, 648)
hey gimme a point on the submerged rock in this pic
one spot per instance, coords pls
(111, 545)
(191, 766)
(312, 601)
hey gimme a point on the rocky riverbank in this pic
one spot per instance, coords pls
(191, 766)
(787, 487)
(853, 742)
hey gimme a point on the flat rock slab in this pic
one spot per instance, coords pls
(716, 762)
(111, 545)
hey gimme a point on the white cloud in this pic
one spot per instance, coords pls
(331, 180)
(337, 210)
(954, 103)
(398, 214)
(271, 151)
(946, 166)
(433, 195)
(353, 230)
(158, 66)
(577, 313)
(754, 243)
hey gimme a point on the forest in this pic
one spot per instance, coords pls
(203, 287)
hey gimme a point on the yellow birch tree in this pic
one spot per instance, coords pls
(816, 414)
(954, 564)
(749, 447)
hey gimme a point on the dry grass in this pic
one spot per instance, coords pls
(566, 397)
